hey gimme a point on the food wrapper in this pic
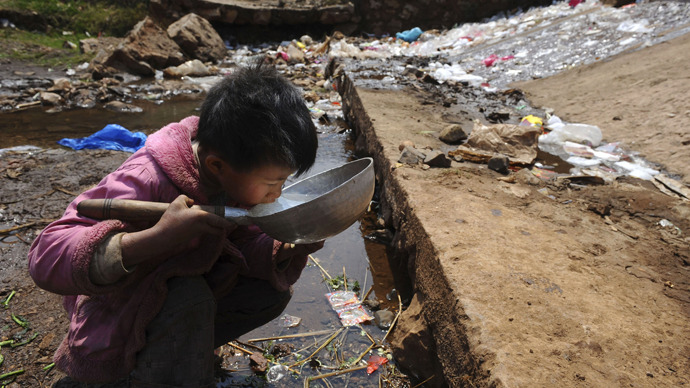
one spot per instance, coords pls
(341, 299)
(348, 307)
(354, 315)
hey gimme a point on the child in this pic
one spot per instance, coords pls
(149, 302)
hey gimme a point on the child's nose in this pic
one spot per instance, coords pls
(275, 193)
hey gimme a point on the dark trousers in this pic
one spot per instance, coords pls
(181, 339)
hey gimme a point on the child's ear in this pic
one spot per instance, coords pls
(214, 164)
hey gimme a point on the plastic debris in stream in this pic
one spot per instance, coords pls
(111, 137)
(348, 307)
(287, 320)
(276, 372)
(374, 362)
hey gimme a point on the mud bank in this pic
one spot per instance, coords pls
(518, 282)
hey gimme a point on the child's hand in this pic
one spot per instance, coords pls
(181, 224)
(287, 251)
(179, 228)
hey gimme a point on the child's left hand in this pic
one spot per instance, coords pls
(288, 251)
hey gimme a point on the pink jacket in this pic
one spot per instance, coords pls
(107, 323)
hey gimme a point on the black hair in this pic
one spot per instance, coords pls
(255, 116)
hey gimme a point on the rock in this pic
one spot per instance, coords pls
(413, 346)
(498, 116)
(145, 48)
(193, 68)
(86, 103)
(437, 159)
(197, 38)
(500, 164)
(48, 98)
(410, 155)
(453, 134)
(258, 363)
(525, 176)
(373, 304)
(405, 143)
(384, 319)
(60, 84)
(119, 106)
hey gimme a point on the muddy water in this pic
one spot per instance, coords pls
(349, 255)
(41, 128)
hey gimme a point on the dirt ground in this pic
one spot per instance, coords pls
(579, 287)
(552, 283)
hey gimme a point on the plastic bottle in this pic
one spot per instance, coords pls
(578, 133)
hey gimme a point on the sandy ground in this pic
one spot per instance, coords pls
(530, 284)
(639, 99)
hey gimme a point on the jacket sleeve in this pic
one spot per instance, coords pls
(60, 256)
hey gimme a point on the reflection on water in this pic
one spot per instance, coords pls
(289, 200)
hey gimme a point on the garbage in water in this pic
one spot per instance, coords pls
(287, 320)
(348, 307)
(374, 362)
(276, 372)
(574, 142)
(473, 73)
(409, 35)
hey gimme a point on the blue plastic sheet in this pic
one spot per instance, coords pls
(409, 35)
(111, 137)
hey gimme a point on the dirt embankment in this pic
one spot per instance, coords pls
(522, 282)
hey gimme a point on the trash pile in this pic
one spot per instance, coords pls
(532, 44)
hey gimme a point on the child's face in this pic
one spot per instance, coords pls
(261, 185)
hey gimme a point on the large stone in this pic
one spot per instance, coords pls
(437, 158)
(410, 155)
(145, 48)
(197, 38)
(453, 134)
(413, 345)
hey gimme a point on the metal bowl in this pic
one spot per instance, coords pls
(319, 206)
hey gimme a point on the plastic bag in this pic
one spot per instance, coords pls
(409, 35)
(111, 137)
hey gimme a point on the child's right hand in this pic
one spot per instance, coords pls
(180, 228)
(182, 225)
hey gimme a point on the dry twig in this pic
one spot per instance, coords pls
(331, 374)
(297, 335)
(316, 261)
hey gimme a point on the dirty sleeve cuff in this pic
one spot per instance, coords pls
(106, 266)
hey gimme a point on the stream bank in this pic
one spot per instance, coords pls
(519, 281)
